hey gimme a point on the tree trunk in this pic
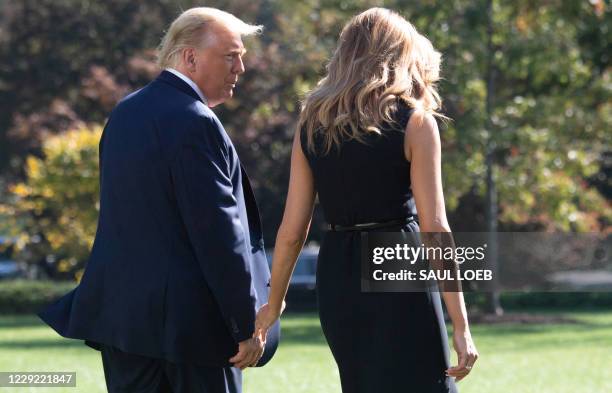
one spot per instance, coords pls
(493, 302)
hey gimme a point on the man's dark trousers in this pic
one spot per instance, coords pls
(128, 373)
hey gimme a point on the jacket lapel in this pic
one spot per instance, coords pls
(255, 227)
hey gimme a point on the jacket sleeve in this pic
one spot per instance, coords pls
(204, 192)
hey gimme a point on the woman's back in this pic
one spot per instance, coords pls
(383, 342)
(401, 337)
(361, 182)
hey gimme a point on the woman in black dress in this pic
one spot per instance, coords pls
(368, 145)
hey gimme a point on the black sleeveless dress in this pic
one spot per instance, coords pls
(382, 342)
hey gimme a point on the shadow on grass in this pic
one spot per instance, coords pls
(504, 330)
(301, 335)
(20, 321)
(297, 329)
(575, 334)
(41, 344)
(304, 329)
(301, 328)
(534, 320)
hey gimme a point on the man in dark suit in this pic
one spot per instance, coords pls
(177, 270)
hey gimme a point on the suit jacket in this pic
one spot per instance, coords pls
(177, 269)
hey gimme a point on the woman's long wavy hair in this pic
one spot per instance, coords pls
(380, 59)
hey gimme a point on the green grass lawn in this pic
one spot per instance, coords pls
(538, 358)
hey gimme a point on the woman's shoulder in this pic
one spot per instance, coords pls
(422, 120)
(308, 149)
(422, 129)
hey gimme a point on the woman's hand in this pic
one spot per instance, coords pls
(266, 317)
(466, 354)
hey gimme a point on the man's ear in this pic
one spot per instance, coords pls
(189, 59)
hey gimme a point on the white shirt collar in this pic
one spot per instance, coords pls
(189, 82)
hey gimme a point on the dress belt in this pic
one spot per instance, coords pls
(370, 225)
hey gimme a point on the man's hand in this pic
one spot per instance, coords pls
(249, 352)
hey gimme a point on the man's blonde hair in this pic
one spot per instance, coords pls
(192, 30)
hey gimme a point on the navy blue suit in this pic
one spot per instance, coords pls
(178, 269)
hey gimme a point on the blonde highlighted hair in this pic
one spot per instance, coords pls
(380, 59)
(191, 30)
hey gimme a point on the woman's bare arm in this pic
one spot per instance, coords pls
(294, 227)
(423, 148)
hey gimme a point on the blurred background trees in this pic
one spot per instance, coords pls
(65, 63)
(54, 210)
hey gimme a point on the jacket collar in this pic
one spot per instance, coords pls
(175, 81)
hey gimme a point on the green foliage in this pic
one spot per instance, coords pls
(55, 210)
(66, 62)
(550, 115)
(26, 297)
(84, 54)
